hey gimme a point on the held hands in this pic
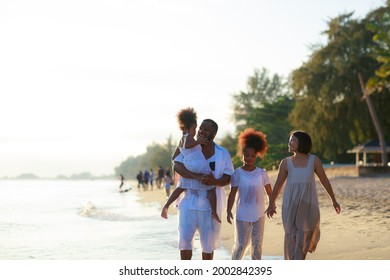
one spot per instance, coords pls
(208, 179)
(271, 210)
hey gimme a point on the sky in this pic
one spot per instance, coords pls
(85, 84)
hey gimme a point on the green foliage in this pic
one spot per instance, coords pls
(230, 143)
(327, 92)
(156, 154)
(261, 90)
(272, 119)
(275, 153)
(265, 106)
(378, 22)
(323, 97)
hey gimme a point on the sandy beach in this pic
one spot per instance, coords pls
(359, 232)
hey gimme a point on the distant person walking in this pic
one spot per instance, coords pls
(151, 178)
(146, 179)
(160, 176)
(168, 182)
(300, 209)
(140, 180)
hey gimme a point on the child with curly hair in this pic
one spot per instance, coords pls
(194, 161)
(251, 183)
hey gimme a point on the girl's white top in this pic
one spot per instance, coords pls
(251, 193)
(194, 161)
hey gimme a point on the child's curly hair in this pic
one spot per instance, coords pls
(252, 139)
(186, 117)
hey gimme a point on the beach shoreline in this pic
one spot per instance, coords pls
(359, 232)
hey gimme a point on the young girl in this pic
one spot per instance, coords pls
(194, 161)
(251, 182)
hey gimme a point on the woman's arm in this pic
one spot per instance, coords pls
(282, 175)
(319, 170)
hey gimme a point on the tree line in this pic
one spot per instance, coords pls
(323, 96)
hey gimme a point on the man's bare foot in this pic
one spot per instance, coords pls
(164, 213)
(215, 217)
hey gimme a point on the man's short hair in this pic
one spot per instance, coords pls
(214, 125)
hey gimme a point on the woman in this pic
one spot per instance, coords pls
(300, 209)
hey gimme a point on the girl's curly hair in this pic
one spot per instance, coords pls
(252, 139)
(186, 117)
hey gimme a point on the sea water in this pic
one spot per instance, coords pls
(83, 220)
(86, 220)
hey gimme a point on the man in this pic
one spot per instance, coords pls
(195, 211)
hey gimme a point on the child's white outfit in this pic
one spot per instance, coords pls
(194, 161)
(249, 211)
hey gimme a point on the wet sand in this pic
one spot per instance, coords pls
(359, 232)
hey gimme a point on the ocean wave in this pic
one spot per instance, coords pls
(91, 211)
